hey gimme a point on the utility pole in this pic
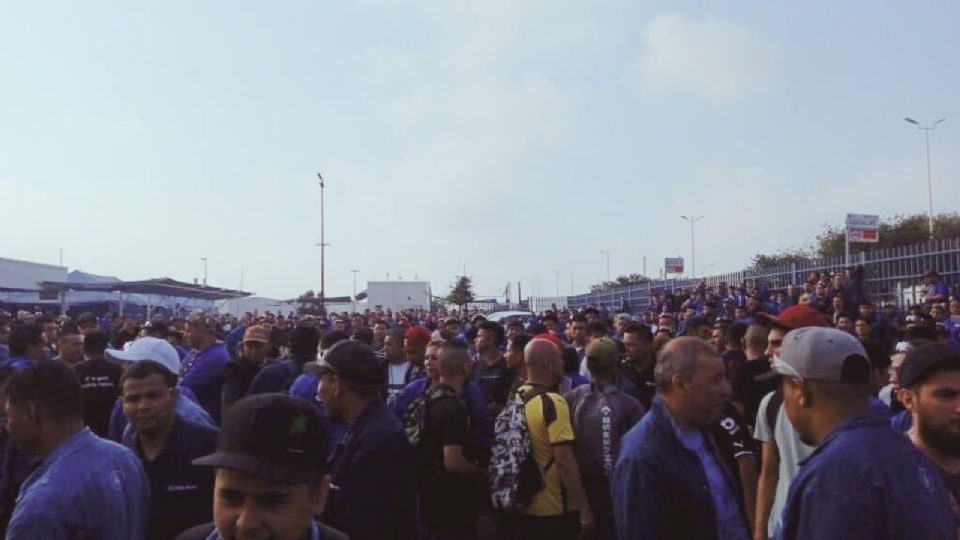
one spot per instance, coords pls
(926, 133)
(355, 290)
(693, 251)
(323, 244)
(608, 253)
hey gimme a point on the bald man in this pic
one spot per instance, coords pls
(669, 458)
(560, 510)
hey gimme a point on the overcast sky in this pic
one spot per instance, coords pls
(509, 137)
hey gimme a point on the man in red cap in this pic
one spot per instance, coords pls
(781, 445)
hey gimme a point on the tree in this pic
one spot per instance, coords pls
(461, 293)
(899, 230)
(785, 256)
(309, 304)
(630, 279)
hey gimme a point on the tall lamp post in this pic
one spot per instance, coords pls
(693, 252)
(556, 275)
(323, 244)
(608, 253)
(354, 289)
(926, 134)
(204, 259)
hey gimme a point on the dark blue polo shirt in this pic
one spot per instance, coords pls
(181, 494)
(371, 488)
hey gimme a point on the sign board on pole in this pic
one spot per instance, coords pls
(673, 266)
(863, 228)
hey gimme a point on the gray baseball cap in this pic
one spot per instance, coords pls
(822, 354)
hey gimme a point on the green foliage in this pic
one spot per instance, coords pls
(786, 256)
(630, 279)
(899, 230)
(461, 293)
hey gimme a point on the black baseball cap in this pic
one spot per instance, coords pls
(350, 360)
(925, 360)
(277, 437)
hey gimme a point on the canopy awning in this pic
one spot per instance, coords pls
(160, 286)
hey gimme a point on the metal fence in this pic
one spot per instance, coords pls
(893, 274)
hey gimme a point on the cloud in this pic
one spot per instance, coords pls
(715, 60)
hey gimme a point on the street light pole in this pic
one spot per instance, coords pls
(926, 133)
(693, 252)
(354, 290)
(556, 274)
(608, 253)
(204, 259)
(323, 244)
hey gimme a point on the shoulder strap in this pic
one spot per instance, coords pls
(773, 409)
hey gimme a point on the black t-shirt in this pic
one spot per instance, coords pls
(643, 380)
(238, 375)
(750, 384)
(447, 503)
(180, 492)
(100, 381)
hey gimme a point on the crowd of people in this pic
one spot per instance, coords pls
(726, 413)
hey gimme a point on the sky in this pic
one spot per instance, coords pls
(508, 140)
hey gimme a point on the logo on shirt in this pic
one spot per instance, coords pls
(297, 428)
(925, 479)
(117, 480)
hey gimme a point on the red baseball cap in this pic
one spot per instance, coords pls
(792, 318)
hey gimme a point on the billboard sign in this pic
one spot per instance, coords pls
(673, 266)
(863, 228)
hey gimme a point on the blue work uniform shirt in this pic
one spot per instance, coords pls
(87, 487)
(202, 372)
(371, 482)
(867, 481)
(18, 362)
(181, 492)
(187, 409)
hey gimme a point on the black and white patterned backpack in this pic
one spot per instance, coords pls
(515, 476)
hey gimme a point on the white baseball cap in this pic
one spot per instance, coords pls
(149, 348)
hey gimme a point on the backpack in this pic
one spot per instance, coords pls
(515, 476)
(414, 418)
(595, 421)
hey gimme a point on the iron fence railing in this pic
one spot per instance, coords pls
(892, 274)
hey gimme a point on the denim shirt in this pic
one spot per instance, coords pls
(87, 487)
(660, 489)
(867, 481)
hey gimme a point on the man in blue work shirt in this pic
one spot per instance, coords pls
(279, 376)
(162, 352)
(27, 346)
(864, 480)
(270, 474)
(371, 487)
(85, 487)
(166, 445)
(676, 478)
(202, 370)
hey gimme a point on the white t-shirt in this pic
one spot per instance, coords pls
(396, 378)
(792, 451)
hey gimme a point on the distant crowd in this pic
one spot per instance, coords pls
(727, 412)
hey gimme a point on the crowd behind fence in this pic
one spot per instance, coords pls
(893, 274)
